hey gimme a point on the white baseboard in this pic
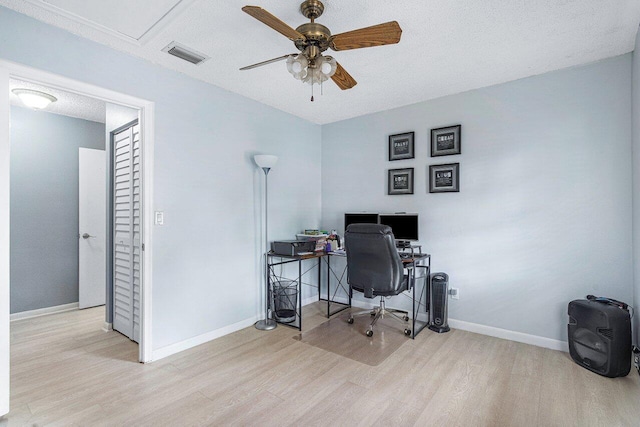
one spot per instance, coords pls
(456, 324)
(209, 336)
(201, 339)
(107, 327)
(44, 311)
(486, 330)
(510, 335)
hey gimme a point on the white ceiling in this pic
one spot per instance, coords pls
(447, 47)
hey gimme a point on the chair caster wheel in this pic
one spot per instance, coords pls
(350, 320)
(405, 318)
(407, 332)
(369, 333)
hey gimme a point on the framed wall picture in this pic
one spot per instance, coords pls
(444, 178)
(445, 141)
(400, 181)
(401, 146)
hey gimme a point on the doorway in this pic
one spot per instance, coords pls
(12, 70)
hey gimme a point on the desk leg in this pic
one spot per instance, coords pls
(413, 300)
(328, 286)
(300, 295)
(342, 306)
(319, 278)
(424, 294)
(428, 305)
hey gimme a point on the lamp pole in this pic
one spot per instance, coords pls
(266, 162)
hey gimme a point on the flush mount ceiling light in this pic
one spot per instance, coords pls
(34, 98)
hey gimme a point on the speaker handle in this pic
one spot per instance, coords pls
(610, 301)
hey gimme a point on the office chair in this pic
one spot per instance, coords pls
(375, 269)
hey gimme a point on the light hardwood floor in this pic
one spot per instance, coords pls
(66, 371)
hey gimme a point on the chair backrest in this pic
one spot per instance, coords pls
(374, 266)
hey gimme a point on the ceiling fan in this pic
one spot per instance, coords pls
(311, 39)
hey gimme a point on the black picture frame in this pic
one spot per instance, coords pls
(444, 178)
(446, 141)
(401, 146)
(400, 181)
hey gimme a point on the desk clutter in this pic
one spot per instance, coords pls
(308, 242)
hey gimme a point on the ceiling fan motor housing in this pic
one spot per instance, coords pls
(311, 9)
(315, 35)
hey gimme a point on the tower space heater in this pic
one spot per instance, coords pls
(438, 310)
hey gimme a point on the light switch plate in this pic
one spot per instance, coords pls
(159, 219)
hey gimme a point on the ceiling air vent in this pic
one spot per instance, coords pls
(185, 53)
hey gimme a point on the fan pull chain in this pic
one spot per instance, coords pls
(311, 87)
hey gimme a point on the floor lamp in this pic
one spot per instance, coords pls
(266, 162)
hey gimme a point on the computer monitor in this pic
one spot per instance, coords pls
(404, 226)
(360, 218)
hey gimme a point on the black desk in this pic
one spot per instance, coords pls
(419, 294)
(331, 298)
(275, 260)
(413, 264)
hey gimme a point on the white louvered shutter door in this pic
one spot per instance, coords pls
(126, 233)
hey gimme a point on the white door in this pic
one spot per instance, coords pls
(126, 232)
(92, 227)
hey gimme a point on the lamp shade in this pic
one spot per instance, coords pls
(265, 160)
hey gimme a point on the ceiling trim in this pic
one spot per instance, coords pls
(155, 29)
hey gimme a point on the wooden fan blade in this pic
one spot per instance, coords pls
(343, 79)
(377, 35)
(268, 19)
(260, 64)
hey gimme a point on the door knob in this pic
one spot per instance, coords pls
(87, 235)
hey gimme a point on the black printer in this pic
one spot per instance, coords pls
(292, 247)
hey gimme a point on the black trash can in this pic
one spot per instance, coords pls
(285, 300)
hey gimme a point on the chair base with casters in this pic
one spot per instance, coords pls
(379, 313)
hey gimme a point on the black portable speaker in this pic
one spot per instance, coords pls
(600, 336)
(438, 316)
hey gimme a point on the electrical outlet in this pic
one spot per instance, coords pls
(455, 293)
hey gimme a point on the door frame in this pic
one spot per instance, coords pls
(8, 70)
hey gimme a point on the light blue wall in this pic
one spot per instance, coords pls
(44, 206)
(636, 183)
(543, 215)
(206, 264)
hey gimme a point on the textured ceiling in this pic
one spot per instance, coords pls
(68, 104)
(447, 47)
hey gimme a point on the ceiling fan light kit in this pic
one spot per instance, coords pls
(311, 39)
(318, 70)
